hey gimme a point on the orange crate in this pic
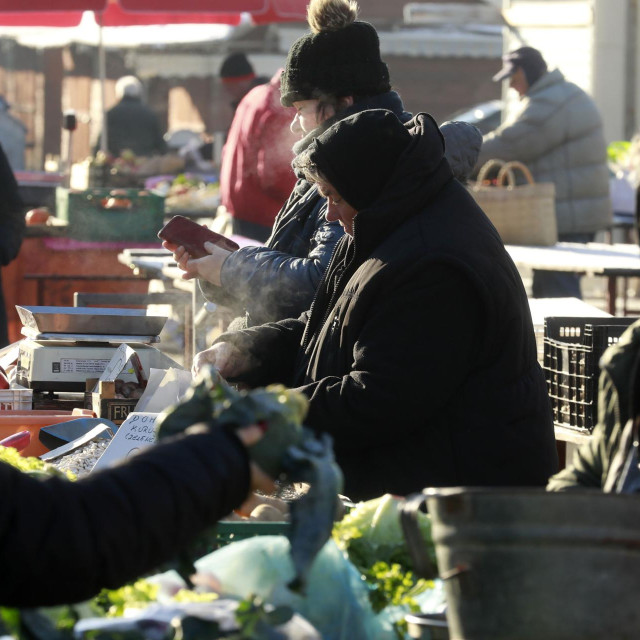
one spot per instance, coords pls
(15, 421)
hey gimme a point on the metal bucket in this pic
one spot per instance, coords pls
(422, 626)
(526, 564)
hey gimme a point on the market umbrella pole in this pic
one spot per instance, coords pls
(102, 73)
(69, 124)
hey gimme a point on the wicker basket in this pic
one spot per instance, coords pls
(522, 214)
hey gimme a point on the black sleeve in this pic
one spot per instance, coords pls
(62, 541)
(409, 358)
(12, 222)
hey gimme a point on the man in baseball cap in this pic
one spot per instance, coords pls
(557, 131)
(524, 64)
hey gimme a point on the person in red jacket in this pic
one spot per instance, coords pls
(256, 175)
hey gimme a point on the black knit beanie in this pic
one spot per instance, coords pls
(236, 65)
(340, 57)
(358, 154)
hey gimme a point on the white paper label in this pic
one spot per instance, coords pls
(137, 432)
(82, 365)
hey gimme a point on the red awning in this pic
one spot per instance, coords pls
(119, 13)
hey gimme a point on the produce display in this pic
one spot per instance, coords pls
(331, 577)
(37, 216)
(129, 389)
(31, 465)
(188, 192)
(127, 164)
(349, 576)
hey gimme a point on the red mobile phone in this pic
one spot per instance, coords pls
(192, 236)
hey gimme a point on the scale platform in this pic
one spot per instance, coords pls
(96, 321)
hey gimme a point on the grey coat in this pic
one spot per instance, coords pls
(558, 134)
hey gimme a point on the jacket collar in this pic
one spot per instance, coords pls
(546, 80)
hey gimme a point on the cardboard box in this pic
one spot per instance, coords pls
(104, 403)
(100, 393)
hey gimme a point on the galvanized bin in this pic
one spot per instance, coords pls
(530, 565)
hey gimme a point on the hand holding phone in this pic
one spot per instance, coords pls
(184, 232)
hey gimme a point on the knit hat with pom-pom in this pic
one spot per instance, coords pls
(340, 57)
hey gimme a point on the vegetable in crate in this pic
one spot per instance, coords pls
(287, 450)
(372, 536)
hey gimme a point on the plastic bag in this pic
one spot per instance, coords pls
(336, 601)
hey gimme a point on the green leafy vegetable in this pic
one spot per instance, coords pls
(114, 602)
(371, 532)
(371, 535)
(29, 464)
(392, 585)
(618, 152)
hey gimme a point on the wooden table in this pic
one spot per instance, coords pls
(594, 259)
(48, 270)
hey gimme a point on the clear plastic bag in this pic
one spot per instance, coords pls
(336, 600)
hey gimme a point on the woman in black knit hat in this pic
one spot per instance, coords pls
(418, 355)
(331, 72)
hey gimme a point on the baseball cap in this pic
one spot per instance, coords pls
(528, 58)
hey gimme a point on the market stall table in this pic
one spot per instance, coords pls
(48, 270)
(594, 259)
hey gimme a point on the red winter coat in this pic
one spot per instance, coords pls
(256, 176)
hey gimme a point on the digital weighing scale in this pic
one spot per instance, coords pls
(66, 345)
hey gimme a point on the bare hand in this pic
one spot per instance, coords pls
(225, 357)
(208, 268)
(260, 481)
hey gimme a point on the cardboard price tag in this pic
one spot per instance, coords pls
(137, 432)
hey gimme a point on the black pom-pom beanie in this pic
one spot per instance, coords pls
(340, 62)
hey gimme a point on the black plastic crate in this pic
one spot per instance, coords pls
(572, 350)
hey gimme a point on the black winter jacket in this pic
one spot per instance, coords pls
(61, 541)
(131, 124)
(12, 226)
(279, 280)
(418, 354)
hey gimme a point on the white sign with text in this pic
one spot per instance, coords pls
(137, 432)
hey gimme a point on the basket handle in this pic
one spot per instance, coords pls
(507, 171)
(420, 560)
(486, 167)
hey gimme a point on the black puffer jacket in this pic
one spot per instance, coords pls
(61, 542)
(418, 355)
(12, 226)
